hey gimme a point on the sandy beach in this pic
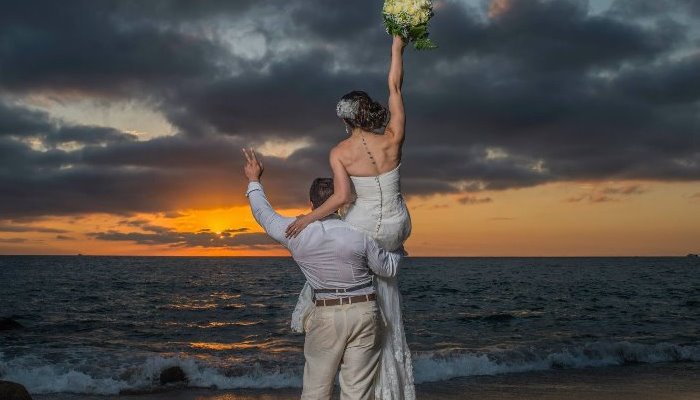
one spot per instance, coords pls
(667, 381)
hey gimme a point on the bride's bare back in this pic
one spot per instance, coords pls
(364, 153)
(353, 154)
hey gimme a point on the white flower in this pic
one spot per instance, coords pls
(401, 16)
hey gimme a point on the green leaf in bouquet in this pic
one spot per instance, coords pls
(424, 44)
(418, 31)
(393, 28)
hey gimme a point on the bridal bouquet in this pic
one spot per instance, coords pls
(409, 19)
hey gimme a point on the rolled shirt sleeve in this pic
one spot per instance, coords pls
(273, 223)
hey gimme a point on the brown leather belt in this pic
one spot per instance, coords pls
(346, 300)
(350, 289)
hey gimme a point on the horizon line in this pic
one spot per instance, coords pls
(289, 256)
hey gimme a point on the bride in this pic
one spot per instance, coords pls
(370, 162)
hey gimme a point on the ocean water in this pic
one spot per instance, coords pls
(109, 325)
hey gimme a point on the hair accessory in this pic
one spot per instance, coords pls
(347, 108)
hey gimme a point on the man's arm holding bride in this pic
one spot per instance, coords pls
(273, 223)
(383, 262)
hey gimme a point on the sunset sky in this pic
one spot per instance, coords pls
(537, 128)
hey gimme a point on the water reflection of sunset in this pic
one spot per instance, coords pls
(213, 324)
(269, 346)
(227, 346)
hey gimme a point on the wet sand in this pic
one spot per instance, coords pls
(663, 381)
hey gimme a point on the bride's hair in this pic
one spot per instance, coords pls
(357, 109)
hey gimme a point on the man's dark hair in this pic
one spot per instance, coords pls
(321, 190)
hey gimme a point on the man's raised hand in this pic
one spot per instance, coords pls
(254, 167)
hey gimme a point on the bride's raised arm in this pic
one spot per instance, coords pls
(397, 122)
(342, 189)
(342, 194)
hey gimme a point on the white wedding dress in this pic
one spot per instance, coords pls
(380, 211)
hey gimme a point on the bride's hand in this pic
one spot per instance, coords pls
(399, 42)
(297, 226)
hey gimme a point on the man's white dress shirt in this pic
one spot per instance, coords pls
(330, 252)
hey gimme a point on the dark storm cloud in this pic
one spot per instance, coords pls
(647, 8)
(22, 123)
(88, 135)
(124, 177)
(183, 10)
(28, 228)
(544, 92)
(158, 235)
(548, 36)
(326, 19)
(286, 102)
(99, 47)
(669, 83)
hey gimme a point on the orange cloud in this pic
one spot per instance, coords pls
(499, 7)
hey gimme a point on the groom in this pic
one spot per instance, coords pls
(338, 261)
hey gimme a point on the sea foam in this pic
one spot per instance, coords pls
(40, 377)
(442, 365)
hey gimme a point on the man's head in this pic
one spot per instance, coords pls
(321, 190)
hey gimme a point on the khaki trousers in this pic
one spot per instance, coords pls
(347, 336)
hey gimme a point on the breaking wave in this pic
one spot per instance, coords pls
(40, 376)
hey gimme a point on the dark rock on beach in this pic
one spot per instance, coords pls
(13, 391)
(7, 324)
(172, 375)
